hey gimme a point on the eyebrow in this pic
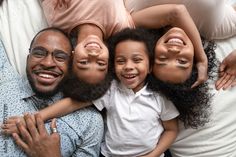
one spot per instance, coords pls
(56, 50)
(39, 48)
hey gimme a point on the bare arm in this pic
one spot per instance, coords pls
(62, 107)
(175, 15)
(167, 138)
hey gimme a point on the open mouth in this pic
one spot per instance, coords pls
(175, 41)
(46, 77)
(93, 45)
(129, 76)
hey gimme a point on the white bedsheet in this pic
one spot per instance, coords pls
(21, 19)
(218, 138)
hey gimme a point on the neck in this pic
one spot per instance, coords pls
(88, 29)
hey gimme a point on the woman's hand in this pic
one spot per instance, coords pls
(202, 67)
(227, 72)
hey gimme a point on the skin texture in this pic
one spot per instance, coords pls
(174, 54)
(175, 15)
(35, 140)
(227, 72)
(193, 104)
(45, 75)
(131, 64)
(90, 61)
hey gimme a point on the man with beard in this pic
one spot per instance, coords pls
(47, 67)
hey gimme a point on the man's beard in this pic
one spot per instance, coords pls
(44, 94)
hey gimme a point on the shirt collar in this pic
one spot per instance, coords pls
(143, 91)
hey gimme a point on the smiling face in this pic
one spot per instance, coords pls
(174, 54)
(90, 62)
(46, 69)
(131, 64)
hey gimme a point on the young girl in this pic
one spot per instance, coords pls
(139, 122)
(83, 19)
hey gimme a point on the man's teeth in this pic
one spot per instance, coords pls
(175, 40)
(46, 76)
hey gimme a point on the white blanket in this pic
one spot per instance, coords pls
(218, 138)
(21, 19)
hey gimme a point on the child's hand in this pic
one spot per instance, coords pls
(202, 66)
(10, 127)
(227, 72)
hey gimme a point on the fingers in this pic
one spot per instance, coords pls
(222, 66)
(55, 135)
(20, 142)
(233, 83)
(202, 75)
(225, 82)
(31, 127)
(25, 135)
(53, 123)
(228, 84)
(8, 129)
(220, 82)
(40, 124)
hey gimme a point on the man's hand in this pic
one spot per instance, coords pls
(227, 72)
(35, 140)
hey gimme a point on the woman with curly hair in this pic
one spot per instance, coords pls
(174, 71)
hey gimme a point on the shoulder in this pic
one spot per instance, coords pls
(84, 118)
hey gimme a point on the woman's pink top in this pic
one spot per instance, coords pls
(109, 15)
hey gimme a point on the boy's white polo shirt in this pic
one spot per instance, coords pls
(133, 120)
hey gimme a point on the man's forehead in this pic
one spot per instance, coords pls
(52, 39)
(51, 34)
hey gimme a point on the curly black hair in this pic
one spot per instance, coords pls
(1, 2)
(82, 91)
(193, 104)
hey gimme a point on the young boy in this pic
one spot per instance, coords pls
(139, 122)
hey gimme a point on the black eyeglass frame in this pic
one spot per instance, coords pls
(41, 53)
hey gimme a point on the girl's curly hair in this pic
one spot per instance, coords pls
(193, 104)
(82, 91)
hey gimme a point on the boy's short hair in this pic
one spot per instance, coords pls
(137, 34)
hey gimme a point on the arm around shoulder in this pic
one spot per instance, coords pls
(61, 108)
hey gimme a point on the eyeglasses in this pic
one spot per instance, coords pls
(41, 53)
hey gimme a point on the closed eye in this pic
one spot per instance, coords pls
(137, 60)
(182, 61)
(120, 61)
(101, 63)
(162, 58)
